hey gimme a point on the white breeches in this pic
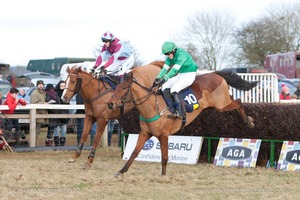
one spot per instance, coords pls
(120, 67)
(179, 82)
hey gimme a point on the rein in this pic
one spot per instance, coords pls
(142, 100)
(79, 86)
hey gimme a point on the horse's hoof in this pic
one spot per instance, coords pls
(87, 166)
(250, 119)
(251, 125)
(72, 160)
(119, 175)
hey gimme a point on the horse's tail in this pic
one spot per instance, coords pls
(236, 81)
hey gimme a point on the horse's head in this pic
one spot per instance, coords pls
(121, 94)
(73, 83)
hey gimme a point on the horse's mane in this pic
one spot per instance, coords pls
(158, 63)
(79, 69)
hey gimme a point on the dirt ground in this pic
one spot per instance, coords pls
(48, 175)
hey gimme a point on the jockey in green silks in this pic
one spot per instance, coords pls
(176, 78)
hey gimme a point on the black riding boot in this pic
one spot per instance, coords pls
(56, 141)
(169, 99)
(62, 141)
(178, 107)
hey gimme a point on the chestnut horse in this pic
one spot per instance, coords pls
(210, 89)
(95, 93)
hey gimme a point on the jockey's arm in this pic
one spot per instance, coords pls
(172, 72)
(118, 50)
(163, 71)
(103, 56)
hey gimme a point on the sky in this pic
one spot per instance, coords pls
(45, 29)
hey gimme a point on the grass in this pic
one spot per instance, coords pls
(48, 175)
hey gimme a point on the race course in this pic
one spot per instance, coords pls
(48, 175)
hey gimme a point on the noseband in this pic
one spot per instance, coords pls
(77, 86)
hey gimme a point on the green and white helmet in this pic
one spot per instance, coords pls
(168, 47)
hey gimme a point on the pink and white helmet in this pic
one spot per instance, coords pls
(108, 36)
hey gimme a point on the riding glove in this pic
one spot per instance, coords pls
(158, 82)
(155, 83)
(102, 68)
(161, 82)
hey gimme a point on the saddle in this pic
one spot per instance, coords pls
(113, 81)
(188, 97)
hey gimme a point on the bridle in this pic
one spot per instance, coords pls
(79, 86)
(121, 100)
(137, 101)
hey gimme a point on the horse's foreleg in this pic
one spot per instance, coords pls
(85, 133)
(163, 139)
(101, 124)
(143, 137)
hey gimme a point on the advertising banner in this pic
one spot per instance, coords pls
(235, 152)
(182, 149)
(289, 159)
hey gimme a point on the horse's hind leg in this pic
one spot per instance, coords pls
(143, 137)
(237, 104)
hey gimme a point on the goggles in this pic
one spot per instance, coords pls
(105, 40)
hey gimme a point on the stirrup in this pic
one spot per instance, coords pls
(175, 115)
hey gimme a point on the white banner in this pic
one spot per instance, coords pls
(289, 159)
(237, 152)
(182, 149)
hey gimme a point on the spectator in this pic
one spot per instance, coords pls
(51, 98)
(110, 130)
(80, 121)
(12, 101)
(293, 96)
(61, 122)
(38, 96)
(284, 95)
(21, 94)
(297, 92)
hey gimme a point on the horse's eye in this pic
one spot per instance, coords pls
(124, 88)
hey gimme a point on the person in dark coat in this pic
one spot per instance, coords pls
(51, 98)
(62, 122)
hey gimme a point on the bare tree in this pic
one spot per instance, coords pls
(207, 37)
(277, 31)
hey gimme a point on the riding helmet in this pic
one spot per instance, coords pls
(108, 36)
(168, 47)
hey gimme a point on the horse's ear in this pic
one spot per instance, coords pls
(127, 75)
(68, 69)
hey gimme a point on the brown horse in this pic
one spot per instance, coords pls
(95, 93)
(210, 89)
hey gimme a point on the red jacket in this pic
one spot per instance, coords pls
(11, 102)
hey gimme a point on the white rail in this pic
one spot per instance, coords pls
(32, 116)
(266, 91)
